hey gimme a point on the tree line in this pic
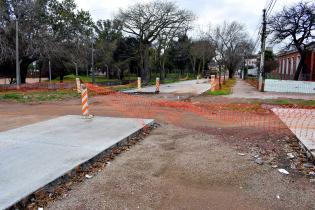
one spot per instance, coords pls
(143, 39)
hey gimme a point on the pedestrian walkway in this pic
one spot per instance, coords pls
(244, 90)
(302, 123)
(35, 155)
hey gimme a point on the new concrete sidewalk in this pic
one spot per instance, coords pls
(190, 86)
(35, 155)
(302, 123)
(244, 90)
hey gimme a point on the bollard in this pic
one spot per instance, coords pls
(212, 82)
(139, 84)
(197, 79)
(85, 102)
(78, 82)
(157, 85)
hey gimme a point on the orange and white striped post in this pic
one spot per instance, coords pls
(157, 83)
(85, 102)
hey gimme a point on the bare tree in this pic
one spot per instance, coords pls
(148, 21)
(297, 24)
(231, 43)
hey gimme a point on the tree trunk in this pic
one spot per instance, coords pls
(23, 69)
(231, 74)
(302, 68)
(220, 86)
(145, 68)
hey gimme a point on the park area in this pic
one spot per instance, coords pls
(188, 146)
(157, 104)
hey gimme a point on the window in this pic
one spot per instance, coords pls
(283, 64)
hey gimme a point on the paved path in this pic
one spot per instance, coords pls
(191, 86)
(302, 123)
(35, 155)
(243, 90)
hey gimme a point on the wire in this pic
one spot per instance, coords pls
(274, 3)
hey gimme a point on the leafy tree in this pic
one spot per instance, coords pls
(108, 34)
(48, 29)
(148, 21)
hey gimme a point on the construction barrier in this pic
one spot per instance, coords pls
(139, 83)
(213, 83)
(85, 103)
(78, 82)
(157, 85)
(39, 85)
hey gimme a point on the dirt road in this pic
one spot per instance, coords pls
(188, 165)
(176, 168)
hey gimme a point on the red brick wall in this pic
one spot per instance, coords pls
(287, 65)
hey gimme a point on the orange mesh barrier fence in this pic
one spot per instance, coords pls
(269, 118)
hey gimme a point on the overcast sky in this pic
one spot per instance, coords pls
(248, 12)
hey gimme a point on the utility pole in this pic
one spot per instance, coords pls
(17, 60)
(49, 68)
(244, 73)
(261, 84)
(92, 67)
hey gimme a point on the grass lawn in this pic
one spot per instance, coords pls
(225, 90)
(288, 102)
(38, 96)
(71, 77)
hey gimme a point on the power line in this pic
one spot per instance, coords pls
(269, 6)
(274, 3)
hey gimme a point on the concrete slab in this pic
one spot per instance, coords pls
(35, 155)
(190, 86)
(302, 123)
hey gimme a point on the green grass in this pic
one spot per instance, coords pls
(225, 90)
(171, 78)
(287, 102)
(71, 77)
(38, 96)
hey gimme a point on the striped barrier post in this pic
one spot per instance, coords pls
(85, 103)
(139, 84)
(157, 90)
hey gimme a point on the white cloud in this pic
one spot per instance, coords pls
(248, 12)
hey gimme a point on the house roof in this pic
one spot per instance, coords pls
(291, 51)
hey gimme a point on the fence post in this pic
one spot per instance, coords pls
(157, 85)
(139, 84)
(78, 82)
(212, 83)
(85, 102)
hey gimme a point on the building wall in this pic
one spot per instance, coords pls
(288, 63)
(289, 86)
